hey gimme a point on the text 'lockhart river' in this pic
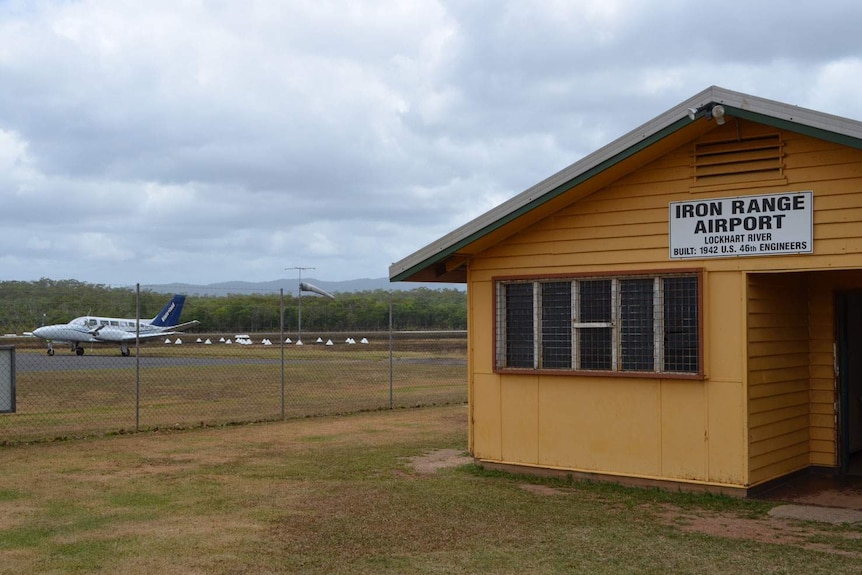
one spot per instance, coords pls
(770, 224)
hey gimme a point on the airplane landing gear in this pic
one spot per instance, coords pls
(124, 350)
(79, 350)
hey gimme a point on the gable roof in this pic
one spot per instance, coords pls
(443, 260)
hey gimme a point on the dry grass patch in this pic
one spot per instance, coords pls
(383, 492)
(766, 530)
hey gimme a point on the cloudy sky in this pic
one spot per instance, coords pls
(205, 141)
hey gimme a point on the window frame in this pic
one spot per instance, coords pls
(658, 276)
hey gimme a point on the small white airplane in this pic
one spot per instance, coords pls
(95, 329)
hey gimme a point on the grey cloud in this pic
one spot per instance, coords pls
(208, 142)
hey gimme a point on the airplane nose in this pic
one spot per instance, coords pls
(41, 332)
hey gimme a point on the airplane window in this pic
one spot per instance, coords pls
(114, 322)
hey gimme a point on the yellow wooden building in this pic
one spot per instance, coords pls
(683, 305)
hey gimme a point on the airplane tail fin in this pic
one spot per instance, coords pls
(170, 314)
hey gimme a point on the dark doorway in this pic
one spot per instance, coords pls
(849, 327)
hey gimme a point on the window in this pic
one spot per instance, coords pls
(556, 325)
(624, 324)
(519, 318)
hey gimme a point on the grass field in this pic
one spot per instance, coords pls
(220, 384)
(347, 495)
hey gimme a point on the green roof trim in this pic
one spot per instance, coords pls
(791, 126)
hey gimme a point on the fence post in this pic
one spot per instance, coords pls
(391, 398)
(7, 379)
(137, 357)
(281, 330)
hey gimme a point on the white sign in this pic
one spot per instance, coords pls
(768, 224)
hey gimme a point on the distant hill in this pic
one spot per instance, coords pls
(290, 286)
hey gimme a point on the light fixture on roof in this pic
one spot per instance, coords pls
(709, 111)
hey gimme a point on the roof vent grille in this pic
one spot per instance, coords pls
(738, 161)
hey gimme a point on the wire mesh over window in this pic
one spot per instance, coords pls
(637, 337)
(557, 325)
(519, 325)
(633, 324)
(595, 343)
(681, 341)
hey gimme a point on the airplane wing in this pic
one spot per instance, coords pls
(184, 326)
(110, 334)
(117, 336)
(174, 329)
(130, 337)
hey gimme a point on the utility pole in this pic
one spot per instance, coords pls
(299, 312)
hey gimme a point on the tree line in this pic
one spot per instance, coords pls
(27, 305)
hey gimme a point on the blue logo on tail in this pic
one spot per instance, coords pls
(170, 314)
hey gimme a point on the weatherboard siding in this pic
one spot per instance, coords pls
(624, 226)
(765, 407)
(778, 378)
(651, 427)
(823, 446)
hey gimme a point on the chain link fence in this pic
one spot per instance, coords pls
(205, 379)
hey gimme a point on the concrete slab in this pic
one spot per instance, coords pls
(834, 515)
